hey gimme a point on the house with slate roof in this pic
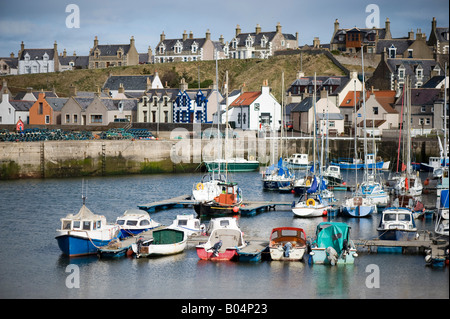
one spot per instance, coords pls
(258, 44)
(11, 110)
(405, 48)
(109, 55)
(303, 117)
(187, 48)
(46, 110)
(38, 60)
(391, 73)
(350, 40)
(9, 65)
(132, 84)
(424, 116)
(379, 112)
(439, 41)
(336, 86)
(73, 62)
(156, 105)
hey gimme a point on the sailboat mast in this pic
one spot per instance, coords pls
(226, 123)
(445, 115)
(314, 127)
(408, 123)
(364, 110)
(218, 115)
(356, 135)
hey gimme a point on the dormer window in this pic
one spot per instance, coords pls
(410, 53)
(392, 52)
(401, 73)
(120, 53)
(162, 49)
(194, 47)
(27, 57)
(45, 57)
(263, 42)
(234, 43)
(178, 47)
(248, 42)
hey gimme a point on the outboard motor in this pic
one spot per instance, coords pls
(216, 248)
(332, 255)
(287, 249)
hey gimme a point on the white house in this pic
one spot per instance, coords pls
(254, 110)
(38, 60)
(11, 111)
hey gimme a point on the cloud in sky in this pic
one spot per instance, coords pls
(40, 23)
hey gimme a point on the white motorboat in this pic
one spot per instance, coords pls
(135, 221)
(188, 223)
(164, 242)
(287, 244)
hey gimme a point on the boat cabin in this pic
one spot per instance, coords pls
(134, 218)
(282, 235)
(397, 218)
(223, 222)
(229, 195)
(299, 159)
(85, 220)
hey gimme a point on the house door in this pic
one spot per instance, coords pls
(83, 119)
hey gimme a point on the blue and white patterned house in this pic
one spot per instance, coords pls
(195, 105)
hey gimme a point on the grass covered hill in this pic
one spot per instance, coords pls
(249, 73)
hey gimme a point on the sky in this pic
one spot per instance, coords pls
(40, 23)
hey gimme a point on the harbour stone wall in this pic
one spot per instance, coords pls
(179, 154)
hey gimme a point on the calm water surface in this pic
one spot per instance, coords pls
(31, 265)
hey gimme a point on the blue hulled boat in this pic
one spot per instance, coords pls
(84, 233)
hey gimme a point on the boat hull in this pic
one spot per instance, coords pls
(154, 250)
(73, 246)
(357, 211)
(228, 254)
(319, 256)
(350, 166)
(310, 211)
(249, 166)
(204, 209)
(396, 234)
(295, 254)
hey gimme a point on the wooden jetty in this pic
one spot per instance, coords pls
(424, 242)
(120, 247)
(248, 208)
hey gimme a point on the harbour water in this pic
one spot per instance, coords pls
(31, 264)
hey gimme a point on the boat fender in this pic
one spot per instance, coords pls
(311, 202)
(308, 182)
(200, 186)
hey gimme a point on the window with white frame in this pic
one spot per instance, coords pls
(427, 121)
(263, 42)
(162, 49)
(423, 109)
(194, 47)
(248, 41)
(178, 47)
(392, 52)
(401, 73)
(234, 43)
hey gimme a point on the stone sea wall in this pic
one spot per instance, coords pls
(181, 154)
